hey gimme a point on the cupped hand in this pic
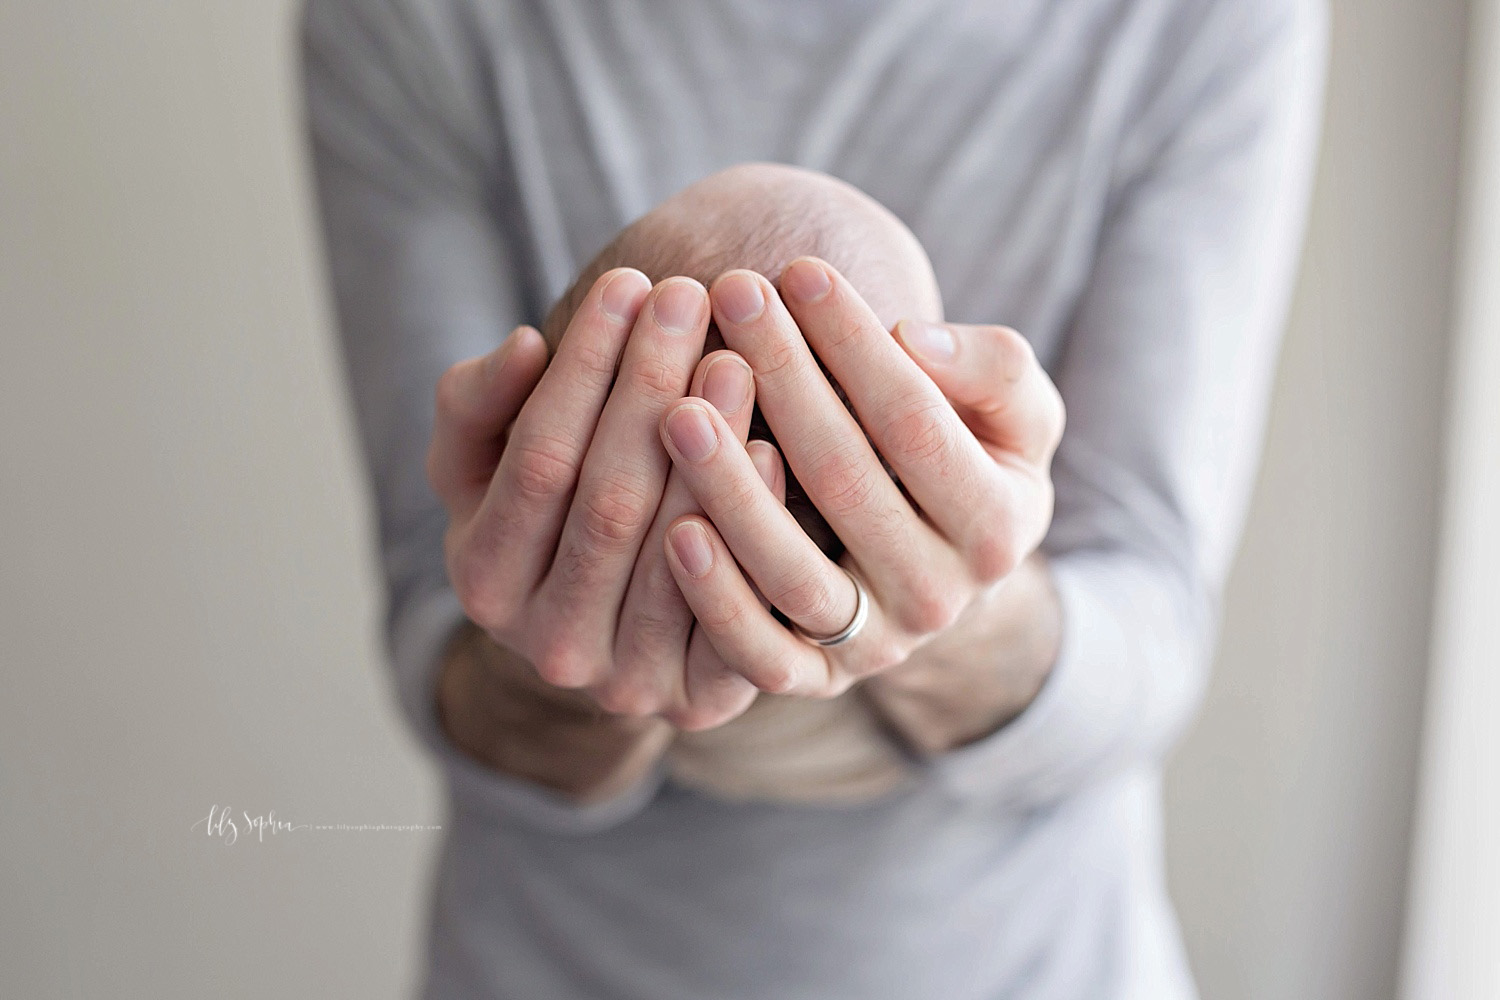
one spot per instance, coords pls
(558, 495)
(964, 416)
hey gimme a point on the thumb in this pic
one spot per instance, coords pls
(993, 378)
(476, 402)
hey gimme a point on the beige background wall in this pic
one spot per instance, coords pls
(1290, 803)
(1453, 914)
(187, 617)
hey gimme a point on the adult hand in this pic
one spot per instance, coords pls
(967, 420)
(554, 481)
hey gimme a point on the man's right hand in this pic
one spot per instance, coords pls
(558, 495)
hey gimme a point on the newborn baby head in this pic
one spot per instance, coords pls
(761, 217)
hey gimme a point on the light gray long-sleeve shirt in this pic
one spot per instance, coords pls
(1124, 181)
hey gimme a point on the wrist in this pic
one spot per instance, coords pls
(494, 708)
(982, 673)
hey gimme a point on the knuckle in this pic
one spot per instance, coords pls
(779, 360)
(688, 720)
(889, 654)
(595, 363)
(876, 657)
(650, 638)
(477, 587)
(920, 432)
(614, 514)
(1014, 352)
(564, 664)
(653, 633)
(843, 482)
(722, 616)
(543, 469)
(845, 331)
(995, 552)
(806, 597)
(629, 695)
(578, 571)
(928, 606)
(774, 677)
(713, 694)
(696, 718)
(655, 379)
(730, 500)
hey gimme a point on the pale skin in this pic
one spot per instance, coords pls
(617, 548)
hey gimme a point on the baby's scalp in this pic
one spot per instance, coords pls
(761, 217)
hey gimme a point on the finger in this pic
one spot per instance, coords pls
(947, 471)
(725, 380)
(511, 540)
(655, 621)
(476, 401)
(621, 481)
(768, 463)
(786, 565)
(822, 443)
(992, 374)
(745, 635)
(713, 694)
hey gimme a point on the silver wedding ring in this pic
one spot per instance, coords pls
(861, 615)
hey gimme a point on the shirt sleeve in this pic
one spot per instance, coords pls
(406, 168)
(1166, 374)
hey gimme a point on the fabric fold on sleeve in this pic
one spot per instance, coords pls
(423, 277)
(1123, 685)
(1166, 375)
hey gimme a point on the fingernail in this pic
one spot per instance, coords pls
(678, 306)
(622, 296)
(929, 340)
(805, 281)
(690, 542)
(739, 298)
(726, 384)
(765, 460)
(692, 433)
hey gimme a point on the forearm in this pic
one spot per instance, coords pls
(981, 673)
(492, 706)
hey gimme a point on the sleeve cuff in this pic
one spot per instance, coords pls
(1076, 720)
(420, 630)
